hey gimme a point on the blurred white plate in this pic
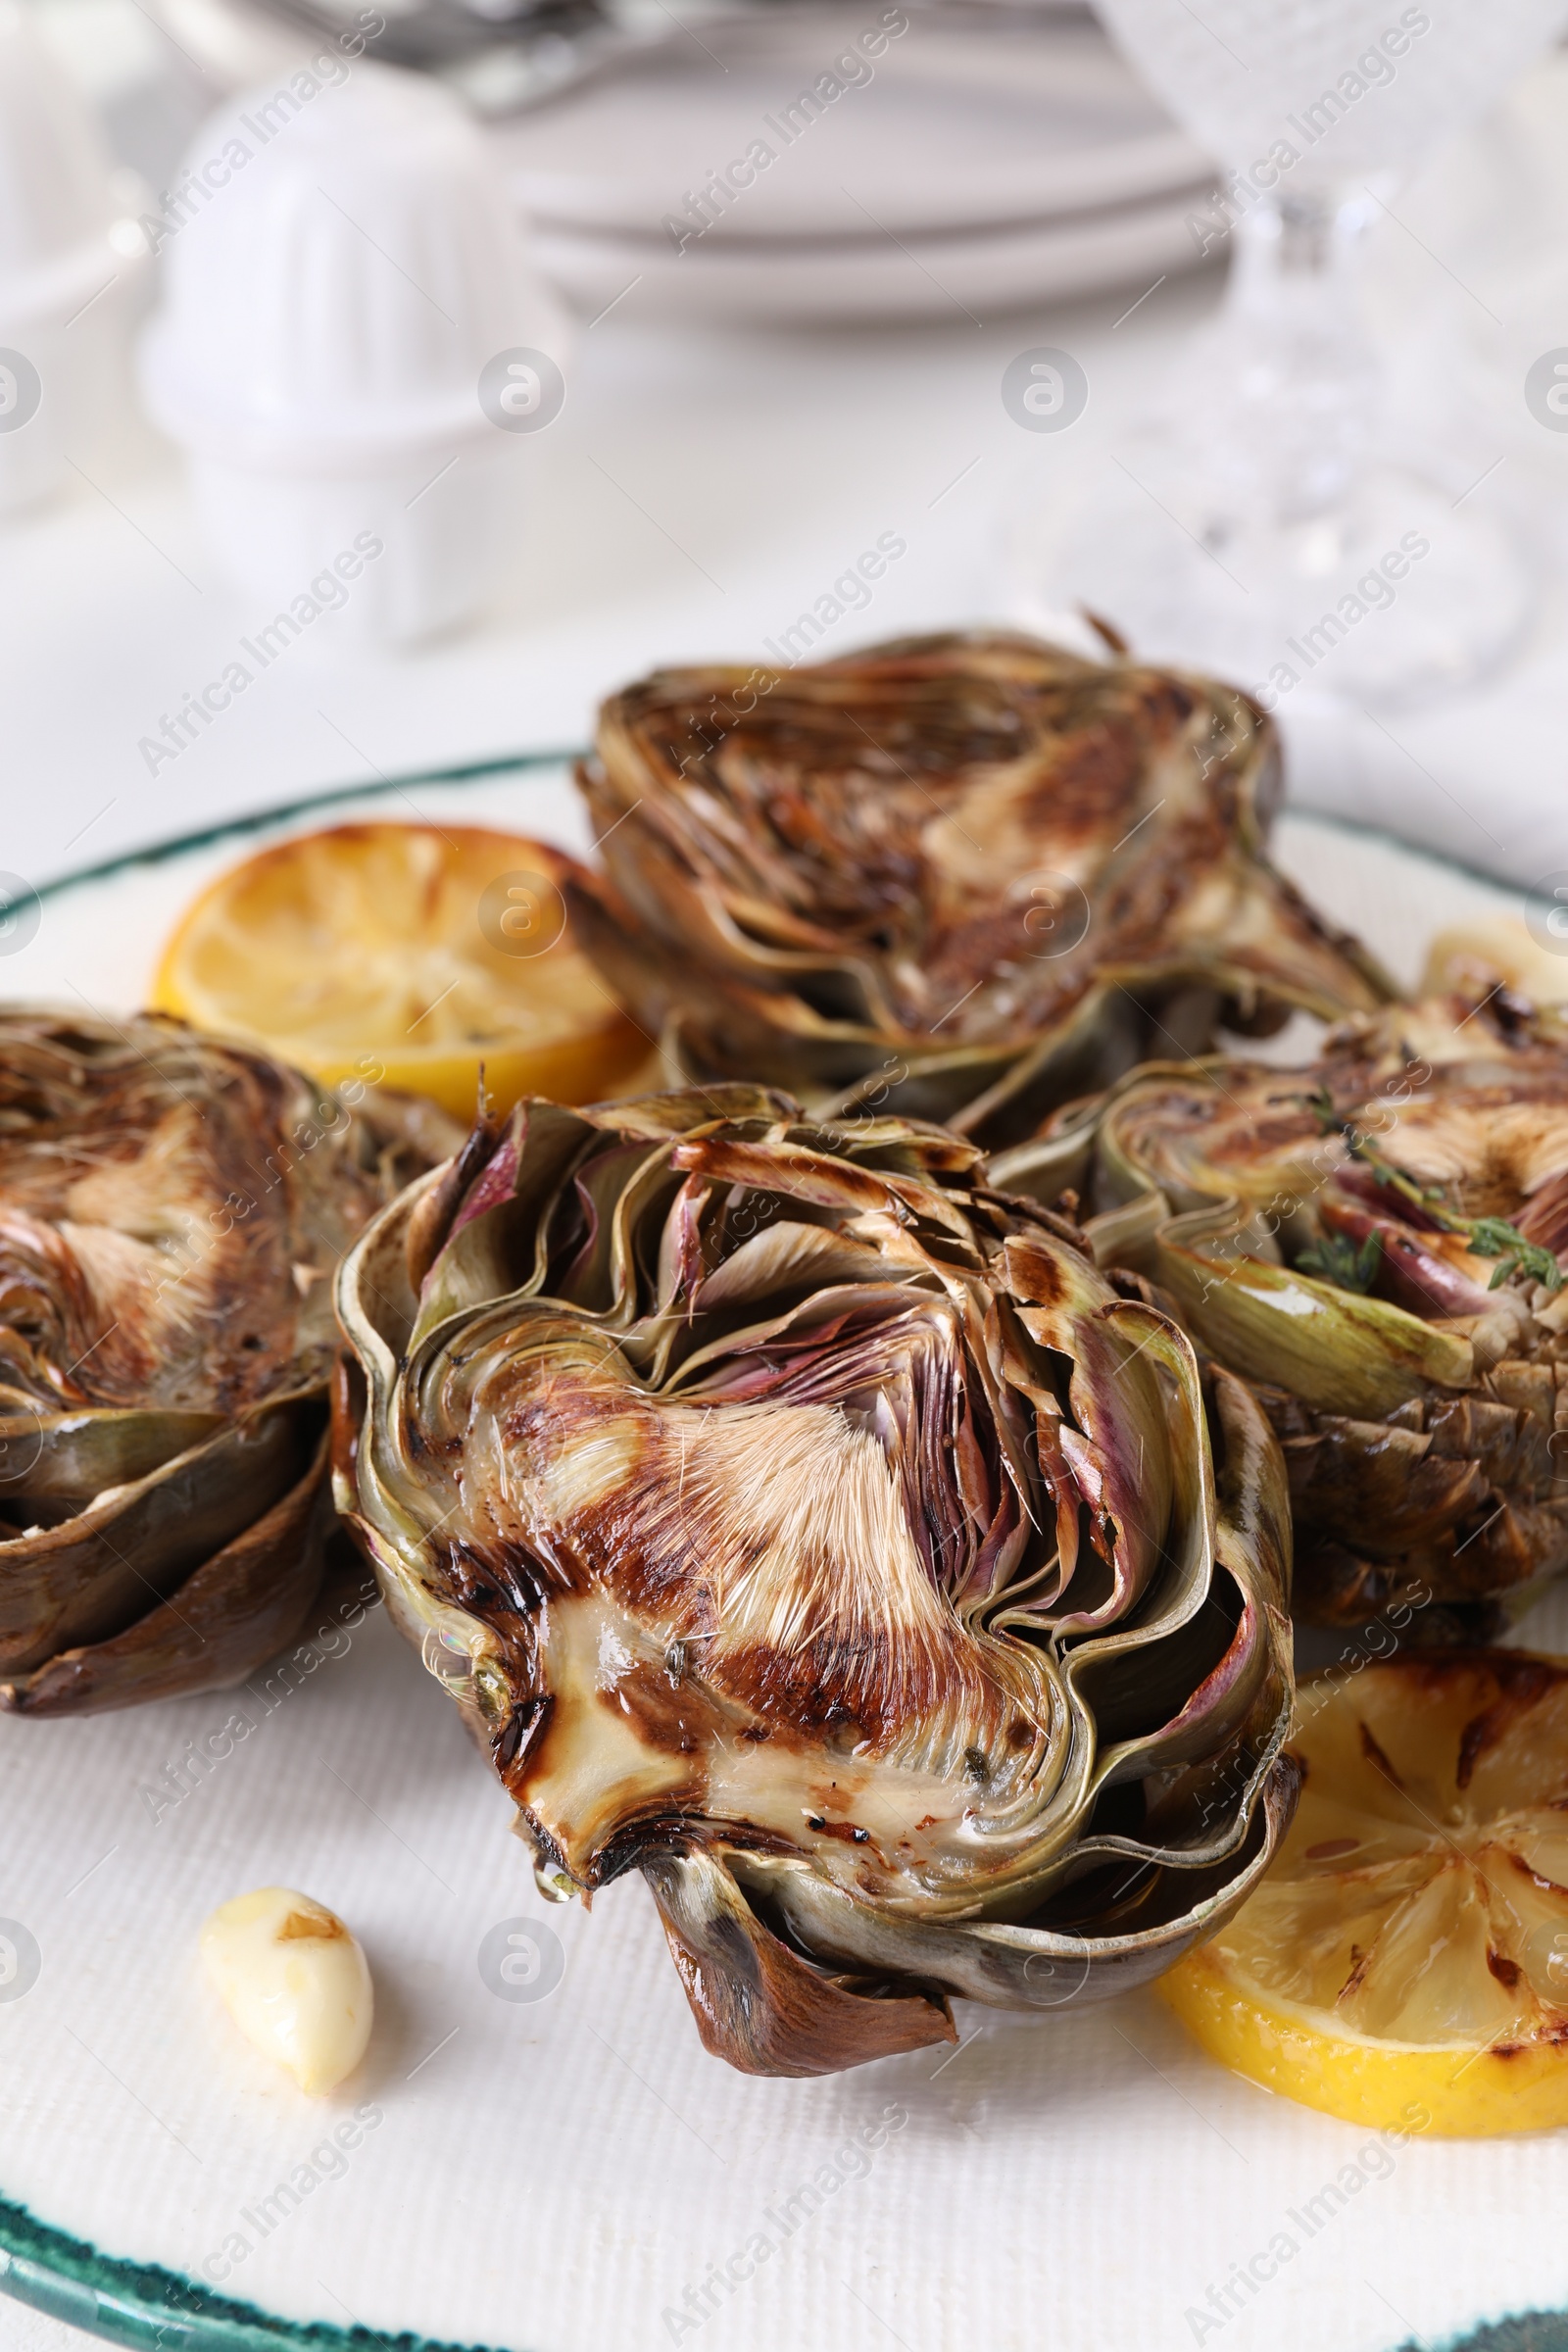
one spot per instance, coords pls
(987, 158)
(973, 116)
(988, 154)
(563, 2173)
(875, 277)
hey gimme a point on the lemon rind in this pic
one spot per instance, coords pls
(1443, 2089)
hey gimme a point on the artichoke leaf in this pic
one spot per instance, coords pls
(1254, 1533)
(729, 942)
(1001, 1093)
(757, 2002)
(1086, 1137)
(1129, 1236)
(781, 1256)
(76, 1455)
(890, 1314)
(1151, 1363)
(1380, 1487)
(464, 1263)
(822, 1178)
(1518, 1542)
(898, 1145)
(610, 1187)
(734, 940)
(1117, 1397)
(1224, 1631)
(1057, 1162)
(233, 1613)
(1333, 1349)
(88, 1578)
(730, 1101)
(1020, 1964)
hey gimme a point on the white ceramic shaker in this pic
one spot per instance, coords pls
(70, 267)
(354, 350)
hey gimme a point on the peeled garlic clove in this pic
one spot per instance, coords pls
(295, 1982)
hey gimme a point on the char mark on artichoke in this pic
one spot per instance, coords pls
(1375, 1244)
(172, 1212)
(965, 878)
(806, 1525)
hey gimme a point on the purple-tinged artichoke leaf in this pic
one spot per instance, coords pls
(757, 2003)
(469, 1257)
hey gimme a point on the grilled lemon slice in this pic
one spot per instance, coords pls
(1408, 1953)
(410, 954)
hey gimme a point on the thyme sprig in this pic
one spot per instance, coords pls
(1494, 1237)
(1351, 1265)
(1486, 1237)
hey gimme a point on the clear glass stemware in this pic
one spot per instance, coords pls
(1272, 516)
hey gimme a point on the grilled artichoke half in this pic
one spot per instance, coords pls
(172, 1210)
(965, 878)
(1374, 1243)
(819, 1533)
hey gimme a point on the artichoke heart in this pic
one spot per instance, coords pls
(171, 1211)
(1376, 1244)
(818, 1531)
(965, 878)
